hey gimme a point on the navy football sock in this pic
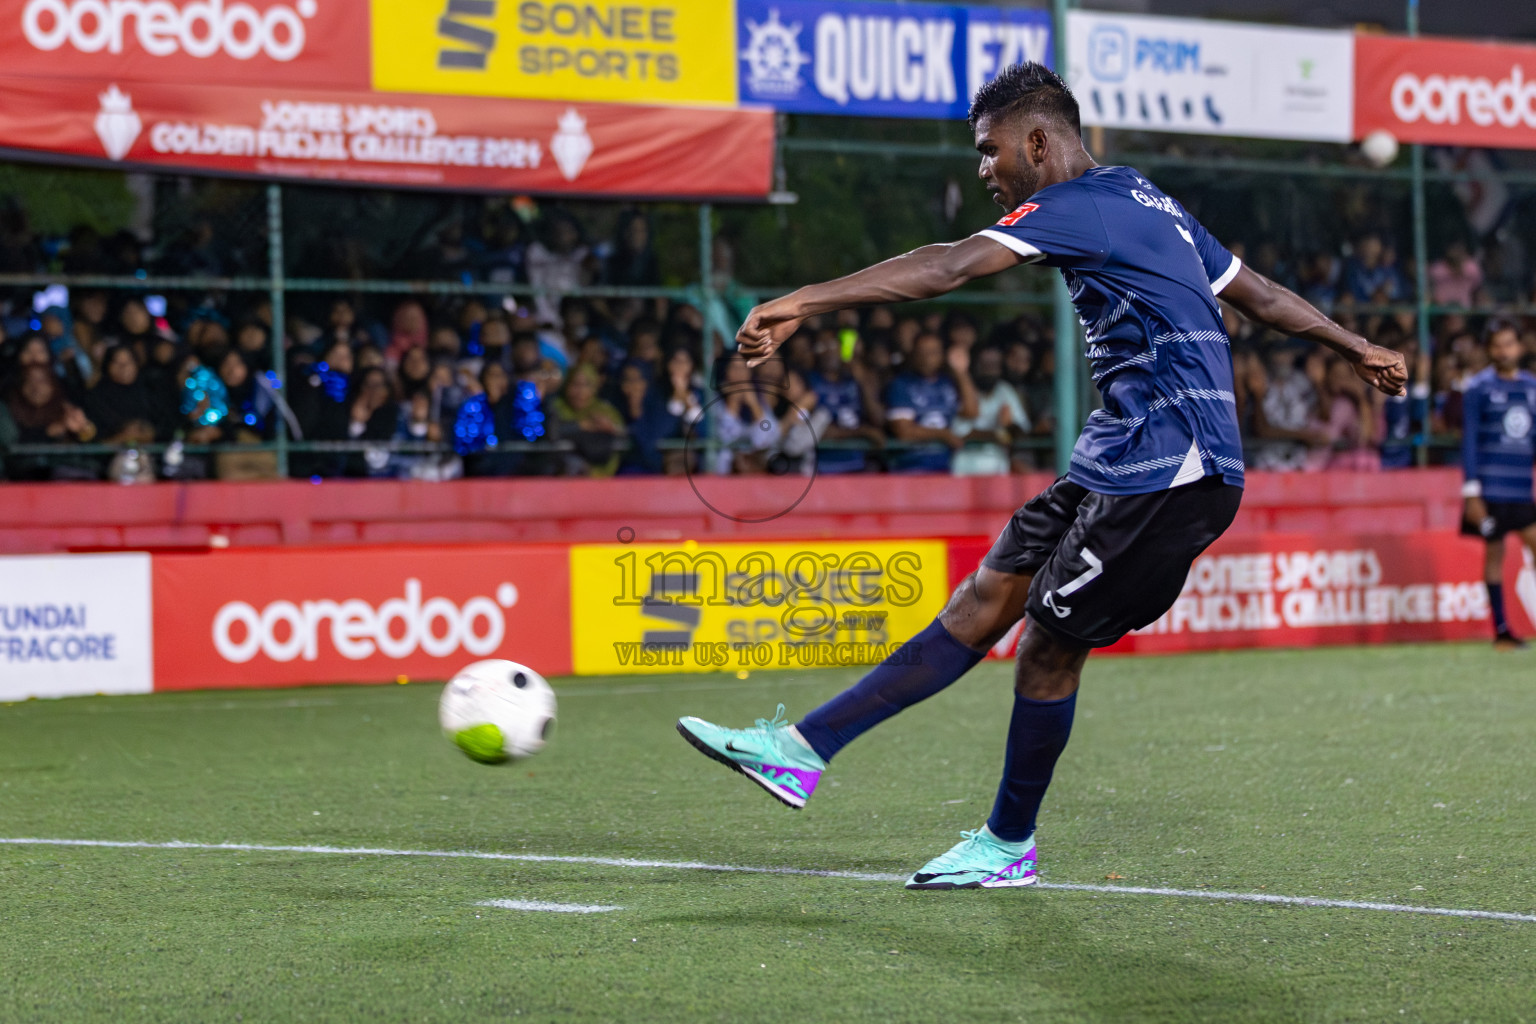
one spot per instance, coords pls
(915, 671)
(1036, 737)
(1496, 604)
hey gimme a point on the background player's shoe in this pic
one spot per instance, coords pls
(1507, 641)
(770, 755)
(980, 861)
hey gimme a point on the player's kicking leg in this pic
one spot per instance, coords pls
(787, 760)
(1120, 566)
(1001, 854)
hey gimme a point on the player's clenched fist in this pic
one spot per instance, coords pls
(1383, 369)
(767, 327)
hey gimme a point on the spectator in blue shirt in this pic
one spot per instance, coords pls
(844, 393)
(922, 404)
(658, 409)
(1371, 275)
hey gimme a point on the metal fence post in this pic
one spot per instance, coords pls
(1068, 352)
(711, 303)
(279, 316)
(1421, 264)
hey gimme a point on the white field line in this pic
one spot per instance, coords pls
(548, 908)
(368, 695)
(527, 858)
(693, 865)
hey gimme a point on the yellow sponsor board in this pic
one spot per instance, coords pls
(649, 608)
(633, 51)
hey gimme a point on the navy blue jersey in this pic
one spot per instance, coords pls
(928, 402)
(1498, 443)
(843, 400)
(1404, 417)
(1144, 276)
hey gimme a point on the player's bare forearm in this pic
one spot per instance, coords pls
(1277, 307)
(923, 273)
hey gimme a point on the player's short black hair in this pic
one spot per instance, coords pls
(1029, 88)
(1497, 326)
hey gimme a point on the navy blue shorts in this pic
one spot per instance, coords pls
(1503, 517)
(1105, 564)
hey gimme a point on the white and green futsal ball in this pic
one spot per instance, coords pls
(496, 711)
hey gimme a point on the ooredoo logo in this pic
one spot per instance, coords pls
(285, 630)
(199, 29)
(1442, 99)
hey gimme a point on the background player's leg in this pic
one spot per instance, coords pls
(1528, 537)
(980, 611)
(1493, 579)
(1045, 696)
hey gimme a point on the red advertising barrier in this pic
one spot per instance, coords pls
(1307, 590)
(395, 138)
(537, 510)
(281, 618)
(189, 42)
(1446, 91)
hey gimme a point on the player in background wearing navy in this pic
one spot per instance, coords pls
(1155, 477)
(1498, 446)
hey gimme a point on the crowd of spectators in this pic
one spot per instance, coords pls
(433, 388)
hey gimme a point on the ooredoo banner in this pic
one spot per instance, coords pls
(1446, 91)
(74, 624)
(283, 618)
(1307, 590)
(189, 42)
(1211, 77)
(396, 139)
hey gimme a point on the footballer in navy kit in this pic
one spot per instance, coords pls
(1498, 446)
(1155, 477)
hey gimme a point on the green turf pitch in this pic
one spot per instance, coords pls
(1400, 775)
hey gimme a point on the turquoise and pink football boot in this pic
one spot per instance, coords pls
(980, 861)
(771, 755)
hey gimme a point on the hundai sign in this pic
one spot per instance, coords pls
(74, 624)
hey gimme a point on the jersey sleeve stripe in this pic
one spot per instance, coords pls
(1222, 281)
(1018, 245)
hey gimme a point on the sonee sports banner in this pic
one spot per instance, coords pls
(638, 51)
(653, 608)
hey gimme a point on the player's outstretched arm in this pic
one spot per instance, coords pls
(1263, 301)
(920, 274)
